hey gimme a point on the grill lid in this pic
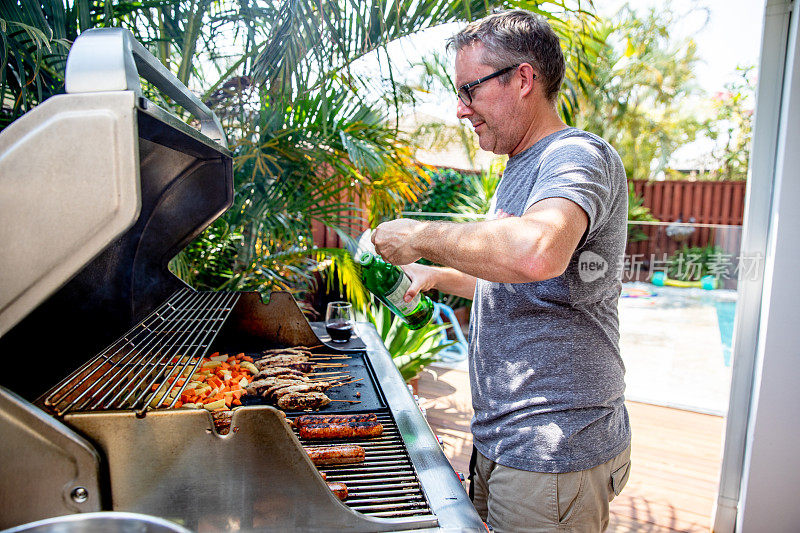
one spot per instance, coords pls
(98, 191)
(69, 169)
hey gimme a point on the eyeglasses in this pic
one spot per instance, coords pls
(464, 93)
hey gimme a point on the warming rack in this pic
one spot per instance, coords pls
(136, 371)
(385, 484)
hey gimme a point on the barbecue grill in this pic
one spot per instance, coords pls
(99, 188)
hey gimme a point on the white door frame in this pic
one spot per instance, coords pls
(763, 410)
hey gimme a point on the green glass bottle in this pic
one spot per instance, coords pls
(389, 283)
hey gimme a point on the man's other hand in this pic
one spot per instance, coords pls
(423, 278)
(394, 240)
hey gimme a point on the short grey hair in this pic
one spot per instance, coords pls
(514, 37)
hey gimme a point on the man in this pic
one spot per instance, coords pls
(550, 426)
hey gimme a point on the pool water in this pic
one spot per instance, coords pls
(726, 311)
(723, 301)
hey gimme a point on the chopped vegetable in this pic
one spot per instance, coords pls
(250, 367)
(217, 384)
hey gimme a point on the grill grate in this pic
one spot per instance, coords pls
(385, 484)
(168, 343)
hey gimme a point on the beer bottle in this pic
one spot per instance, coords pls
(389, 283)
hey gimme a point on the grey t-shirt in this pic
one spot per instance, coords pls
(545, 369)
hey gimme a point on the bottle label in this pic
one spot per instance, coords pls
(395, 296)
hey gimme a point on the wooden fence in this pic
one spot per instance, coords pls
(708, 202)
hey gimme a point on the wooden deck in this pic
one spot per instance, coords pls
(675, 456)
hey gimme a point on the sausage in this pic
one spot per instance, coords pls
(333, 419)
(335, 455)
(346, 430)
(339, 490)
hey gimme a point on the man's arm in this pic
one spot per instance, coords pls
(449, 280)
(534, 247)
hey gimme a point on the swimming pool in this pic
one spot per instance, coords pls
(722, 300)
(675, 344)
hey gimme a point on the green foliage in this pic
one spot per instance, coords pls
(442, 195)
(35, 37)
(692, 263)
(635, 99)
(411, 350)
(734, 125)
(477, 199)
(637, 211)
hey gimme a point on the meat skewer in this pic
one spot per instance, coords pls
(257, 388)
(275, 371)
(304, 387)
(297, 401)
(291, 362)
(296, 349)
(278, 360)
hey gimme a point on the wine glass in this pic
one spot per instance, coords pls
(339, 321)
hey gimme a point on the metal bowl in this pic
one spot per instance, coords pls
(103, 522)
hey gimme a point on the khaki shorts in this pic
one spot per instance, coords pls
(512, 500)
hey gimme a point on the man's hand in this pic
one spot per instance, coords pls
(423, 278)
(394, 240)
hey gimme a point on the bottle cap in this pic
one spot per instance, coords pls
(366, 258)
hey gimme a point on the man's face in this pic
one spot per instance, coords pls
(492, 112)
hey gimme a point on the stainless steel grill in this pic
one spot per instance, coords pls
(167, 344)
(385, 484)
(86, 247)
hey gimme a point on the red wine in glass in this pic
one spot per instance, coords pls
(339, 321)
(339, 331)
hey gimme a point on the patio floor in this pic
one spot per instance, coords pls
(675, 456)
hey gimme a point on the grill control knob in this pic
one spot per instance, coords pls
(79, 494)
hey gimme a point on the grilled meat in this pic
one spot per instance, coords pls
(346, 430)
(259, 387)
(333, 419)
(339, 490)
(292, 362)
(301, 367)
(336, 455)
(281, 360)
(277, 371)
(222, 421)
(302, 387)
(280, 351)
(297, 401)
